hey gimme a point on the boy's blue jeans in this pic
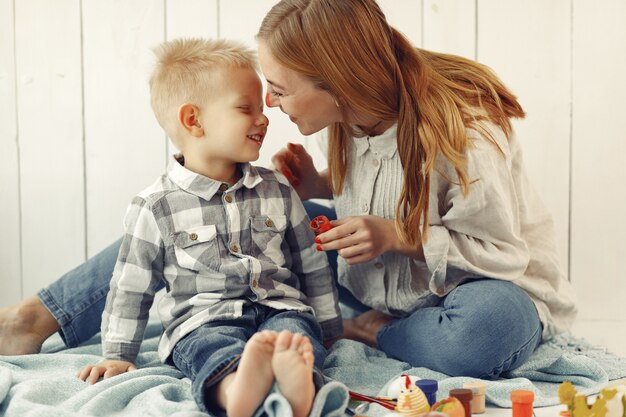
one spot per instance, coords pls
(212, 351)
(481, 329)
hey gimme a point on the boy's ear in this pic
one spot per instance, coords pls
(188, 117)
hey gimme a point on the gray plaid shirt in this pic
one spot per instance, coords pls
(218, 248)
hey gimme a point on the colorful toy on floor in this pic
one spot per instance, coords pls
(479, 389)
(465, 396)
(386, 402)
(450, 406)
(610, 402)
(394, 388)
(522, 401)
(411, 400)
(429, 388)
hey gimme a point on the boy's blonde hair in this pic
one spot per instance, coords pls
(184, 72)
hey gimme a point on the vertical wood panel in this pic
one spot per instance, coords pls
(190, 19)
(125, 147)
(405, 16)
(241, 19)
(10, 261)
(50, 126)
(528, 45)
(450, 27)
(598, 170)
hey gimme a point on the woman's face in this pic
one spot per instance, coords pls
(310, 108)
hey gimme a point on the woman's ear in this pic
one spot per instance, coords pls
(188, 117)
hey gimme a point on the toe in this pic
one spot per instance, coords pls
(283, 340)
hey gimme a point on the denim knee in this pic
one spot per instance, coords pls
(299, 322)
(481, 329)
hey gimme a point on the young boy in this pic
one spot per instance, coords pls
(248, 298)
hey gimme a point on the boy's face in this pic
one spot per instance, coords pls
(233, 120)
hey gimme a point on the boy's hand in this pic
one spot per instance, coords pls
(106, 369)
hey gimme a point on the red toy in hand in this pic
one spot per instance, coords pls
(320, 224)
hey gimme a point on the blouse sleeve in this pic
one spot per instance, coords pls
(477, 235)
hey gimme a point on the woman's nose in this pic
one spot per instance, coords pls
(270, 101)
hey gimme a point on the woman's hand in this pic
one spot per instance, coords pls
(360, 239)
(295, 163)
(106, 369)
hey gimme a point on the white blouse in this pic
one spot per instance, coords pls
(500, 230)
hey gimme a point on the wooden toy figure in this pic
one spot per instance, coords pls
(411, 400)
(611, 402)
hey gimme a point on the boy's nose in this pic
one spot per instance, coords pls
(263, 120)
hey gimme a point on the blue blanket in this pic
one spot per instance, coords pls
(46, 384)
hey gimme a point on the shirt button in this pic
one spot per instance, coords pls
(193, 236)
(234, 248)
(376, 162)
(254, 283)
(440, 290)
(223, 187)
(379, 265)
(228, 199)
(269, 223)
(365, 207)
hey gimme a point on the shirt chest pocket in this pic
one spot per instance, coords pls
(196, 248)
(268, 237)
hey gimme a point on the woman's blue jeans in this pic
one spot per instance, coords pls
(481, 329)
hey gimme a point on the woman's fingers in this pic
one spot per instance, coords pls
(287, 162)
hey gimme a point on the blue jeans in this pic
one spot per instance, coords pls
(212, 351)
(481, 329)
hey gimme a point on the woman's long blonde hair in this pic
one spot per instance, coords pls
(347, 48)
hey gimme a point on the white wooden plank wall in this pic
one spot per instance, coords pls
(78, 139)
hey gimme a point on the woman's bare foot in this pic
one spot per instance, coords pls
(25, 326)
(254, 376)
(365, 327)
(293, 367)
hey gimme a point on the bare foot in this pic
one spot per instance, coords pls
(25, 326)
(363, 328)
(293, 367)
(253, 378)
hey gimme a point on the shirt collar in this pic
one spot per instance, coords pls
(205, 187)
(384, 145)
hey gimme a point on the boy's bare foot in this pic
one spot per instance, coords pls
(25, 326)
(293, 367)
(363, 328)
(253, 378)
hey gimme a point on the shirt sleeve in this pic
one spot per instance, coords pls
(478, 235)
(311, 266)
(138, 270)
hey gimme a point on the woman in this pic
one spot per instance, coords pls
(440, 237)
